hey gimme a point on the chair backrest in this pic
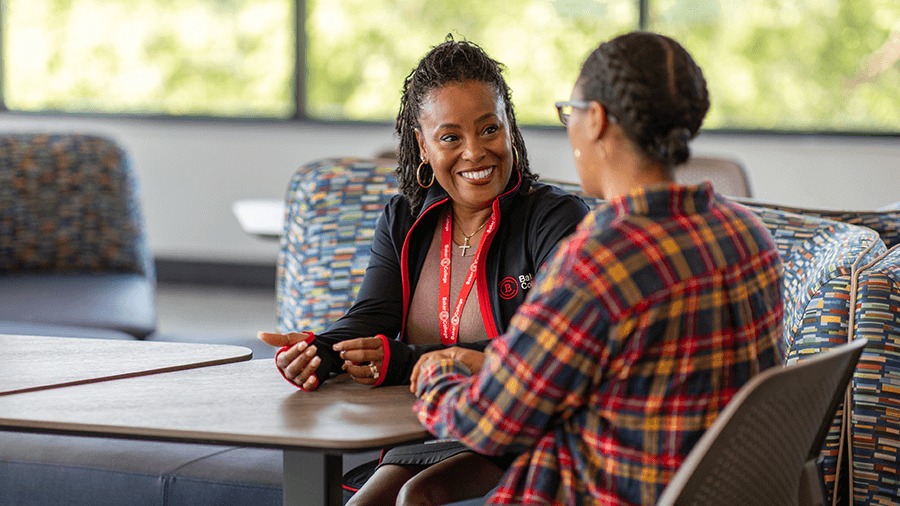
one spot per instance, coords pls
(818, 257)
(727, 175)
(331, 209)
(757, 450)
(884, 221)
(874, 422)
(69, 203)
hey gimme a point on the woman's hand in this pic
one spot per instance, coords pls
(363, 358)
(297, 363)
(473, 360)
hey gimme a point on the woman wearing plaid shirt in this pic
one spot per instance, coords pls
(665, 301)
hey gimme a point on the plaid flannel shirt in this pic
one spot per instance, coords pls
(635, 336)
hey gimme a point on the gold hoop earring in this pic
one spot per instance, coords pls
(515, 157)
(419, 176)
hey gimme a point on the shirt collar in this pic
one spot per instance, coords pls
(663, 199)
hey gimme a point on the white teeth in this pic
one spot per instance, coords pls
(481, 174)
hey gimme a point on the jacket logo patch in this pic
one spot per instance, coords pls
(509, 288)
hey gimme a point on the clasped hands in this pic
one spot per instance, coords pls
(363, 359)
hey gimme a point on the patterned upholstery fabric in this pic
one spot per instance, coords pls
(332, 207)
(875, 414)
(818, 257)
(69, 203)
(885, 221)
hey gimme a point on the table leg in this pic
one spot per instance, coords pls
(312, 479)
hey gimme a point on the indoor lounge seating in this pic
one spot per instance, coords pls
(73, 245)
(332, 206)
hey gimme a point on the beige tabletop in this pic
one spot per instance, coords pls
(29, 363)
(246, 404)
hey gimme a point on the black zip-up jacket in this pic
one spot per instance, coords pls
(533, 218)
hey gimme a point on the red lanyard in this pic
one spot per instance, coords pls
(450, 326)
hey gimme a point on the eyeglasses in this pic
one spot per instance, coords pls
(564, 109)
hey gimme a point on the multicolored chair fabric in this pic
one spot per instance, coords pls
(331, 209)
(875, 412)
(69, 203)
(885, 221)
(73, 246)
(819, 256)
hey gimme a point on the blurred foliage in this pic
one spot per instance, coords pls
(178, 57)
(542, 43)
(790, 65)
(784, 65)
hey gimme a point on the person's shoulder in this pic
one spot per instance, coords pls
(551, 196)
(749, 220)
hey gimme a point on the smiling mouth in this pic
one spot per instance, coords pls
(478, 174)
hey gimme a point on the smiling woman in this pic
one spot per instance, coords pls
(464, 138)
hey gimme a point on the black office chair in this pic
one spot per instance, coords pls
(762, 449)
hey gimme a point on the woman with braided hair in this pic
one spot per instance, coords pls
(452, 258)
(644, 323)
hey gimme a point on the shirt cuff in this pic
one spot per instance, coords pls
(441, 370)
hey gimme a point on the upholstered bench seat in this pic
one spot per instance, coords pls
(43, 469)
(232, 476)
(46, 470)
(122, 302)
(47, 330)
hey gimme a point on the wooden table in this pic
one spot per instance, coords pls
(29, 363)
(244, 404)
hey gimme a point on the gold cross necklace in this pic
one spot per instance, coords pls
(465, 245)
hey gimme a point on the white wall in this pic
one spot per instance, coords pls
(192, 171)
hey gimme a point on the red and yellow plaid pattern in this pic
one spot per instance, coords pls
(637, 334)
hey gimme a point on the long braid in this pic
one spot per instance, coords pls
(449, 62)
(654, 89)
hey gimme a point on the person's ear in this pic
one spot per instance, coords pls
(421, 144)
(597, 120)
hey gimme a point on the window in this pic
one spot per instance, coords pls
(793, 65)
(357, 72)
(173, 57)
(772, 65)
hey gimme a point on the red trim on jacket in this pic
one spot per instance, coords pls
(404, 268)
(386, 361)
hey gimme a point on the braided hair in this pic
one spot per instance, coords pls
(448, 62)
(654, 90)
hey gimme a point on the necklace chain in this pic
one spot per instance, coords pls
(465, 245)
